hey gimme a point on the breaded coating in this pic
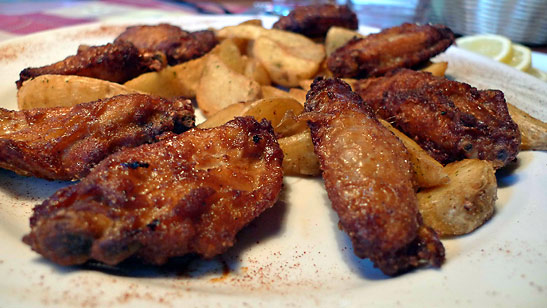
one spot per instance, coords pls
(188, 193)
(64, 143)
(449, 119)
(112, 62)
(316, 20)
(407, 46)
(369, 180)
(177, 45)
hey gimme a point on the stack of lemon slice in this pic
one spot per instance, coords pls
(503, 50)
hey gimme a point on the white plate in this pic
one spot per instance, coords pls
(294, 254)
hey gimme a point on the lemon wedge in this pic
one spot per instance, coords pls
(521, 58)
(537, 73)
(493, 46)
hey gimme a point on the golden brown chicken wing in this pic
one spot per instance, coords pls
(118, 62)
(64, 143)
(404, 46)
(316, 20)
(177, 45)
(449, 119)
(369, 180)
(189, 193)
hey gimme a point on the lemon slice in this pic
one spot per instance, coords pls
(537, 73)
(521, 58)
(493, 46)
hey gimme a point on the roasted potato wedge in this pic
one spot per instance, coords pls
(224, 115)
(275, 110)
(172, 81)
(297, 45)
(338, 37)
(298, 155)
(66, 91)
(463, 204)
(229, 53)
(436, 68)
(221, 86)
(298, 94)
(429, 172)
(284, 68)
(533, 132)
(270, 92)
(287, 57)
(256, 71)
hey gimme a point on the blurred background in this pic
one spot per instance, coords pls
(523, 21)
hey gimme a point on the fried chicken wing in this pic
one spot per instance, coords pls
(316, 20)
(189, 193)
(369, 180)
(177, 45)
(449, 119)
(404, 46)
(118, 62)
(64, 143)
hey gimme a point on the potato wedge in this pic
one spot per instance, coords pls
(224, 115)
(429, 172)
(274, 110)
(436, 68)
(172, 81)
(533, 132)
(338, 37)
(66, 91)
(463, 204)
(284, 68)
(220, 87)
(299, 157)
(253, 22)
(229, 53)
(286, 56)
(298, 94)
(270, 92)
(256, 71)
(297, 45)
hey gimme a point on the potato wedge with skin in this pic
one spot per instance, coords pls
(298, 94)
(273, 110)
(428, 171)
(284, 68)
(298, 155)
(229, 53)
(220, 87)
(533, 132)
(463, 204)
(271, 92)
(224, 115)
(66, 91)
(436, 68)
(297, 44)
(172, 81)
(256, 71)
(337, 37)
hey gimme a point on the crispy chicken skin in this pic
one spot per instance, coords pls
(403, 46)
(316, 20)
(188, 193)
(449, 119)
(369, 181)
(118, 62)
(64, 143)
(177, 45)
